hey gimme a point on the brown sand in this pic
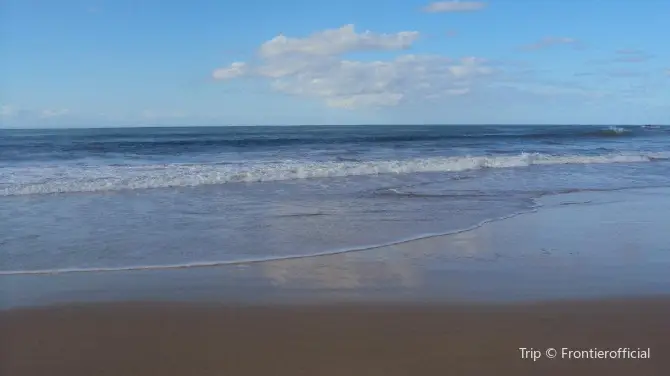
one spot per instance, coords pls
(164, 339)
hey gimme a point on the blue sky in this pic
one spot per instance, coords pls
(148, 62)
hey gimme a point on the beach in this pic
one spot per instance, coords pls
(380, 250)
(209, 339)
(422, 188)
(464, 303)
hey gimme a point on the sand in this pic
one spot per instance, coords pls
(151, 338)
(453, 305)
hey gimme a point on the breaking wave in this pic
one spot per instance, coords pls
(62, 179)
(614, 131)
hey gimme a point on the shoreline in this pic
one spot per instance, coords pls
(210, 264)
(561, 251)
(534, 208)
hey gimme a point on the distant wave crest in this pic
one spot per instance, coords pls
(614, 131)
(62, 179)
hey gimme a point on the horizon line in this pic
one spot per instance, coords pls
(327, 125)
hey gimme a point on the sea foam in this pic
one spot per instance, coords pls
(62, 179)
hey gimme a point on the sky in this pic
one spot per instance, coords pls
(78, 63)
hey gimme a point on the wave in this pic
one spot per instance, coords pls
(62, 179)
(614, 131)
(203, 264)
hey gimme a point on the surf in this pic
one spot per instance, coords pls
(33, 180)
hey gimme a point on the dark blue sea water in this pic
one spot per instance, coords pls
(97, 199)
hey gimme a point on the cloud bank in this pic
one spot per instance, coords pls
(315, 66)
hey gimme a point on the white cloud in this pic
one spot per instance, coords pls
(549, 42)
(353, 84)
(454, 6)
(313, 67)
(337, 41)
(667, 71)
(236, 69)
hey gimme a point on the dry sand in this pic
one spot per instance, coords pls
(165, 339)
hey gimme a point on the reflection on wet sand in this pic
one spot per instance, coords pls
(343, 271)
(561, 238)
(327, 273)
(400, 265)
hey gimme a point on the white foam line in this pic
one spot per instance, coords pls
(51, 180)
(204, 264)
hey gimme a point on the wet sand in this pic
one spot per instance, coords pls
(144, 338)
(589, 245)
(586, 271)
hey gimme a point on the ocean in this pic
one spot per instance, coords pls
(85, 200)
